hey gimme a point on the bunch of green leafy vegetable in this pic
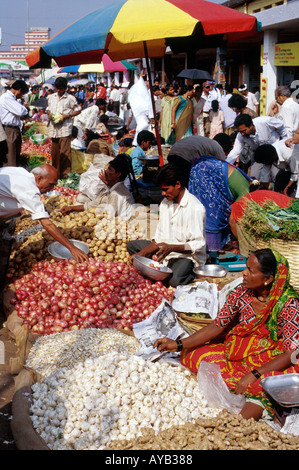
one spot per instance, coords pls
(36, 160)
(31, 131)
(271, 221)
(72, 181)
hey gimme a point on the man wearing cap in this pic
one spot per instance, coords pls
(209, 94)
(11, 114)
(252, 101)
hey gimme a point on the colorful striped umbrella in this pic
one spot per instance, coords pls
(127, 29)
(107, 65)
(120, 28)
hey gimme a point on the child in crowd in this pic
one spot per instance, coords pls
(216, 119)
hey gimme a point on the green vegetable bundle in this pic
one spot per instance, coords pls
(271, 221)
(36, 160)
(72, 181)
(31, 131)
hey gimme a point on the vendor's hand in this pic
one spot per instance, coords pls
(79, 255)
(102, 176)
(243, 383)
(131, 260)
(274, 108)
(163, 251)
(66, 210)
(166, 344)
(64, 117)
(289, 143)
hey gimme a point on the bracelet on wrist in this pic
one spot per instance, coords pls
(256, 373)
(179, 345)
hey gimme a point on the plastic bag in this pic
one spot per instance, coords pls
(90, 183)
(215, 390)
(80, 161)
(77, 161)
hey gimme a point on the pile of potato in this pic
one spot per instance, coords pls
(106, 236)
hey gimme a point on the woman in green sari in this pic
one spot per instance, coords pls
(165, 115)
(182, 115)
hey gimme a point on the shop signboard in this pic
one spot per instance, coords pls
(287, 54)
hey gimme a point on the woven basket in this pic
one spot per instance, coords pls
(193, 323)
(42, 128)
(289, 249)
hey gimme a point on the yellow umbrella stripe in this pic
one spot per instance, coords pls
(91, 68)
(160, 19)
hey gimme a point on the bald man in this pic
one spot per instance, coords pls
(20, 189)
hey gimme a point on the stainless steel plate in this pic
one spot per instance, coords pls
(52, 193)
(283, 388)
(142, 266)
(211, 270)
(57, 250)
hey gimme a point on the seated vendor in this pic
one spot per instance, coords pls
(179, 241)
(101, 127)
(217, 185)
(115, 195)
(145, 140)
(259, 321)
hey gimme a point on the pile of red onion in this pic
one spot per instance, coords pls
(61, 296)
(68, 192)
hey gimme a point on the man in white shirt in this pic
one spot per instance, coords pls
(252, 102)
(279, 165)
(208, 97)
(11, 114)
(112, 196)
(114, 99)
(88, 119)
(61, 132)
(20, 189)
(229, 114)
(180, 240)
(289, 111)
(256, 132)
(3, 146)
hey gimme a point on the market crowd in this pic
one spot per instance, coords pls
(219, 150)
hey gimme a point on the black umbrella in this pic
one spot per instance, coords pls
(195, 74)
(40, 103)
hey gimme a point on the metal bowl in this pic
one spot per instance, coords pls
(210, 270)
(59, 251)
(142, 266)
(283, 388)
(52, 193)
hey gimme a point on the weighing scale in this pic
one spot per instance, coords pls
(232, 261)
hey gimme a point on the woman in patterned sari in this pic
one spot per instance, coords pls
(255, 334)
(182, 115)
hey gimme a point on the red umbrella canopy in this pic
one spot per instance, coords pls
(120, 27)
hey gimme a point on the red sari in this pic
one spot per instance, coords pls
(255, 340)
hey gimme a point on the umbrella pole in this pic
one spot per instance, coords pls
(153, 104)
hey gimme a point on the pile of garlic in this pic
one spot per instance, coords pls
(65, 349)
(111, 398)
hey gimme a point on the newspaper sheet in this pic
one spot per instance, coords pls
(162, 323)
(202, 297)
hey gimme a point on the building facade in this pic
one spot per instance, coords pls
(33, 39)
(278, 59)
